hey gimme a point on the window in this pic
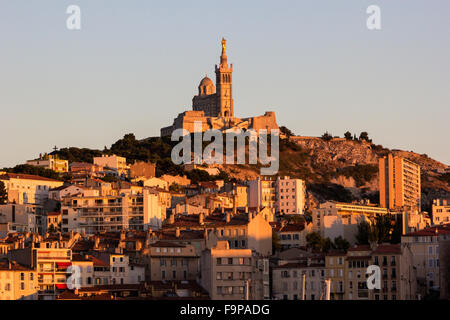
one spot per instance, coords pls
(219, 276)
(163, 274)
(162, 262)
(219, 261)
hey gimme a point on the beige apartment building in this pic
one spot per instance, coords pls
(425, 248)
(117, 163)
(242, 231)
(50, 162)
(335, 271)
(234, 274)
(93, 214)
(173, 261)
(398, 276)
(28, 189)
(262, 193)
(357, 260)
(17, 282)
(441, 211)
(50, 259)
(287, 281)
(399, 181)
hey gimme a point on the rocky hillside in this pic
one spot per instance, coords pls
(344, 170)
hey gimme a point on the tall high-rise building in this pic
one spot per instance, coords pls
(399, 183)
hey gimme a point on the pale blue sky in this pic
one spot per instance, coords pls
(136, 64)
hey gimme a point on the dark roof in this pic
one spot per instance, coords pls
(214, 220)
(9, 176)
(362, 247)
(430, 231)
(165, 244)
(388, 248)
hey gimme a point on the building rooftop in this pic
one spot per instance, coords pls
(9, 176)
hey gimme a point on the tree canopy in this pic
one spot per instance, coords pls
(3, 193)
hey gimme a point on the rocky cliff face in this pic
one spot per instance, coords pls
(339, 151)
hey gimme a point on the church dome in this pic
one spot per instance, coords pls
(206, 82)
(206, 87)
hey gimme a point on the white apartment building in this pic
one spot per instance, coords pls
(283, 195)
(92, 214)
(107, 269)
(333, 219)
(290, 195)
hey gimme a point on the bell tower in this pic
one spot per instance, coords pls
(224, 84)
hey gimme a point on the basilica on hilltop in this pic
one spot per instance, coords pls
(213, 107)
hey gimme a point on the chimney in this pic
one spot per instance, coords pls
(250, 216)
(177, 232)
(205, 234)
(228, 217)
(223, 210)
(201, 219)
(246, 209)
(172, 218)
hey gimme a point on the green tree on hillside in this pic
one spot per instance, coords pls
(341, 244)
(276, 244)
(364, 136)
(348, 135)
(327, 136)
(3, 193)
(286, 131)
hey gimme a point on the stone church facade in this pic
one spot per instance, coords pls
(213, 107)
